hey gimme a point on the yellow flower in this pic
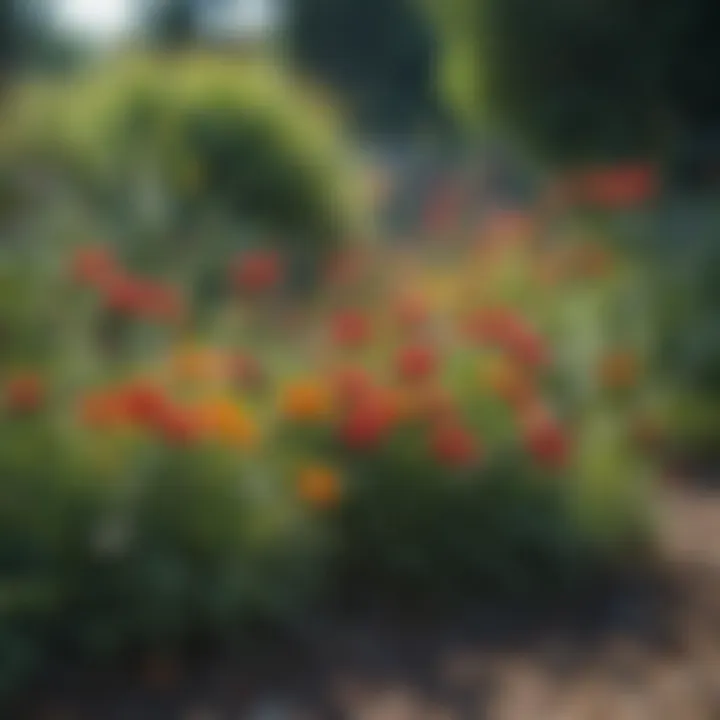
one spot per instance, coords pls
(319, 485)
(199, 363)
(226, 421)
(305, 401)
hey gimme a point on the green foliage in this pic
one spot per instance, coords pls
(377, 55)
(106, 546)
(180, 137)
(583, 81)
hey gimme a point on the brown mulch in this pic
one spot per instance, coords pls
(638, 653)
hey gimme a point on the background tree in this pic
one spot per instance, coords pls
(377, 55)
(173, 22)
(578, 81)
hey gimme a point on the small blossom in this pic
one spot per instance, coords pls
(228, 422)
(369, 422)
(25, 393)
(179, 426)
(508, 380)
(617, 187)
(416, 362)
(350, 329)
(194, 363)
(319, 486)
(144, 403)
(454, 445)
(411, 313)
(545, 440)
(93, 266)
(257, 271)
(507, 330)
(102, 410)
(306, 401)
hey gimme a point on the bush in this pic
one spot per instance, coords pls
(195, 135)
(456, 422)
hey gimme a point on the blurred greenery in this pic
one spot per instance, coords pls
(187, 137)
(378, 56)
(603, 80)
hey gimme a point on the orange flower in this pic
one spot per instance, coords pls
(306, 401)
(226, 421)
(102, 410)
(319, 486)
(508, 381)
(424, 403)
(619, 370)
(24, 393)
(199, 364)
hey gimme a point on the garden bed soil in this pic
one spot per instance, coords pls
(645, 649)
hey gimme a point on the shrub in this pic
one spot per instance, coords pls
(198, 134)
(458, 422)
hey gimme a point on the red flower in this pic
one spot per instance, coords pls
(144, 403)
(369, 422)
(25, 393)
(143, 298)
(124, 294)
(257, 271)
(412, 313)
(453, 445)
(417, 362)
(507, 330)
(350, 329)
(351, 385)
(161, 302)
(93, 266)
(545, 440)
(619, 186)
(179, 426)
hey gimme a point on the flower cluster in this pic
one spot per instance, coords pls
(124, 292)
(430, 357)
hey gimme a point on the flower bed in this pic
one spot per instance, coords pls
(458, 419)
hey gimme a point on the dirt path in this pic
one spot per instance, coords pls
(636, 655)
